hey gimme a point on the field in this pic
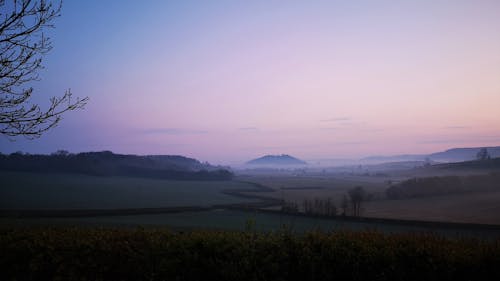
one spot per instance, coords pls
(233, 220)
(64, 192)
(224, 239)
(61, 253)
(472, 207)
(224, 243)
(298, 188)
(23, 190)
(481, 207)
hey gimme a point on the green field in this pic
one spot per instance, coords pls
(23, 190)
(233, 220)
(298, 188)
(479, 207)
(473, 207)
(215, 219)
(37, 191)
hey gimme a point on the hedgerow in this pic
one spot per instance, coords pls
(46, 253)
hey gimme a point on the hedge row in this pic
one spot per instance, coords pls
(146, 254)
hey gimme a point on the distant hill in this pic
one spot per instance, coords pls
(492, 164)
(272, 160)
(463, 154)
(450, 155)
(106, 163)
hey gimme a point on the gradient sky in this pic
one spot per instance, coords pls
(227, 81)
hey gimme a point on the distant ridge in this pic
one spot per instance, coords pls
(463, 154)
(450, 155)
(107, 163)
(282, 159)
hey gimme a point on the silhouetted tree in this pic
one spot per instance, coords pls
(322, 207)
(307, 206)
(61, 153)
(357, 195)
(23, 44)
(427, 162)
(344, 204)
(289, 207)
(483, 154)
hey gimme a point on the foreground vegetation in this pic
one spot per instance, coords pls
(149, 254)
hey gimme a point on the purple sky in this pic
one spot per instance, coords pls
(227, 81)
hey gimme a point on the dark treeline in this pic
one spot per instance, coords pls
(322, 207)
(482, 164)
(350, 204)
(107, 163)
(434, 186)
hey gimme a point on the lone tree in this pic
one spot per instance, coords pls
(483, 154)
(357, 196)
(23, 44)
(344, 204)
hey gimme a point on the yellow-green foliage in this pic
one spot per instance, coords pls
(146, 254)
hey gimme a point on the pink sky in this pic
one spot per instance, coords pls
(227, 81)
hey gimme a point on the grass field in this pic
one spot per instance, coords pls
(250, 220)
(64, 191)
(481, 207)
(22, 190)
(298, 188)
(473, 207)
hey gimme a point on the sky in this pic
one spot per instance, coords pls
(228, 81)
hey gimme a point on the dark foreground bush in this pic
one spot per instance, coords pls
(125, 254)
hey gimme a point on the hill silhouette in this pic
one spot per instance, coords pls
(450, 155)
(282, 159)
(106, 163)
(463, 154)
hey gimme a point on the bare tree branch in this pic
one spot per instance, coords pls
(22, 47)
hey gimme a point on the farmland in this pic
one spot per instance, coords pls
(25, 190)
(92, 227)
(234, 220)
(297, 188)
(470, 205)
(147, 201)
(481, 207)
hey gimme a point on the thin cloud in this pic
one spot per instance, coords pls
(351, 125)
(248, 129)
(374, 130)
(444, 141)
(351, 143)
(456, 127)
(340, 123)
(173, 131)
(337, 119)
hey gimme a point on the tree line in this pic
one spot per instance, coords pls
(350, 205)
(435, 186)
(106, 163)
